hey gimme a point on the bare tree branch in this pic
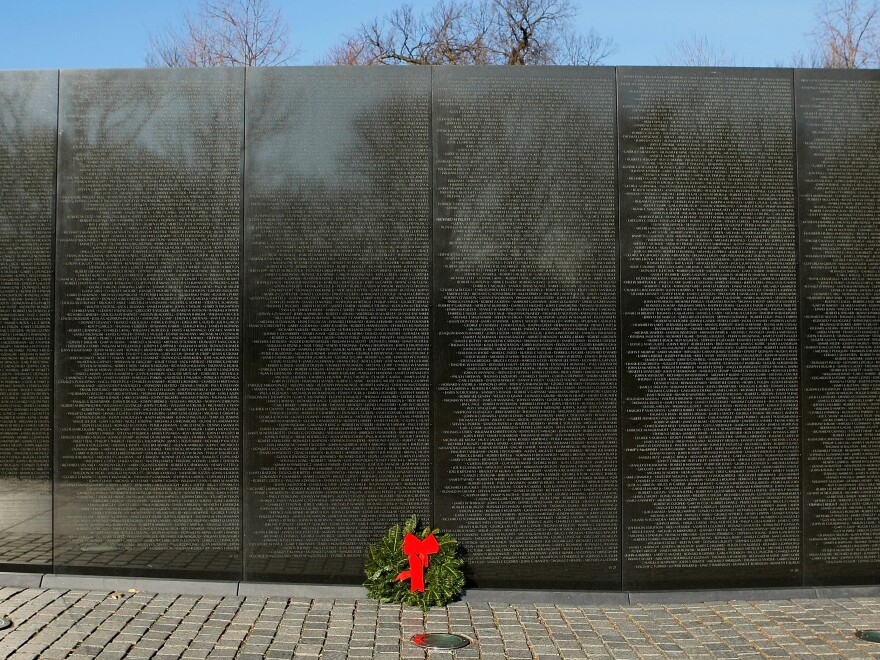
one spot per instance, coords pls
(586, 49)
(529, 30)
(225, 33)
(348, 52)
(474, 32)
(809, 60)
(847, 35)
(697, 50)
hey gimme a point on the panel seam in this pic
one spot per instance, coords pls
(54, 316)
(619, 334)
(242, 329)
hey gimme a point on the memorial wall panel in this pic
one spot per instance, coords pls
(147, 313)
(28, 128)
(838, 115)
(525, 323)
(710, 328)
(338, 237)
(603, 366)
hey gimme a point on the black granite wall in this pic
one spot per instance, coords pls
(147, 317)
(337, 327)
(613, 328)
(28, 135)
(838, 119)
(709, 298)
(525, 320)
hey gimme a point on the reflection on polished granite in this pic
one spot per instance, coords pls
(146, 526)
(121, 544)
(25, 522)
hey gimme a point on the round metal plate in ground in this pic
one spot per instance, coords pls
(869, 635)
(440, 641)
(5, 623)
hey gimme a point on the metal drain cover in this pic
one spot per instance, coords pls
(440, 641)
(869, 635)
(5, 623)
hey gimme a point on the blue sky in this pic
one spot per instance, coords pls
(77, 34)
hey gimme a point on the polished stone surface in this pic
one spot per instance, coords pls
(613, 328)
(710, 328)
(838, 173)
(28, 106)
(337, 335)
(525, 324)
(147, 406)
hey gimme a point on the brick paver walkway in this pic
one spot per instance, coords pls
(89, 624)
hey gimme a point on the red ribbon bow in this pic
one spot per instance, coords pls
(418, 552)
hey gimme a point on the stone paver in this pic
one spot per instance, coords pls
(55, 624)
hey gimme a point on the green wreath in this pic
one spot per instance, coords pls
(444, 580)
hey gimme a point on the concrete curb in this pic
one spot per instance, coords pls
(306, 591)
(526, 596)
(715, 595)
(352, 592)
(153, 585)
(28, 580)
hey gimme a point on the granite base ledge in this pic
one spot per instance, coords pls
(303, 591)
(353, 592)
(715, 595)
(153, 585)
(530, 596)
(27, 580)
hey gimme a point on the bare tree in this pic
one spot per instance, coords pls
(697, 50)
(351, 51)
(528, 30)
(475, 32)
(225, 33)
(812, 59)
(452, 32)
(585, 49)
(847, 35)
